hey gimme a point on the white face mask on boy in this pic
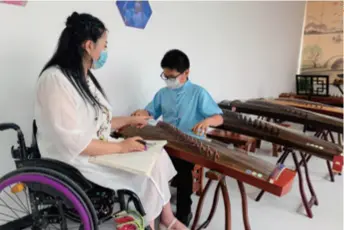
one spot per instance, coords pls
(173, 83)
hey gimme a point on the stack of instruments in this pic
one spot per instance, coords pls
(283, 111)
(335, 100)
(311, 106)
(280, 135)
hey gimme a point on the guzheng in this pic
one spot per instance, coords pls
(274, 133)
(215, 155)
(285, 113)
(335, 100)
(311, 106)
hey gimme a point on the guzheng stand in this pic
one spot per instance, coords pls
(221, 186)
(313, 201)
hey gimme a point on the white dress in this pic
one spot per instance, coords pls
(66, 125)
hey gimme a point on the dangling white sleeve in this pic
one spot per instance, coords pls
(62, 117)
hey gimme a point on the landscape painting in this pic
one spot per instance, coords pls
(322, 51)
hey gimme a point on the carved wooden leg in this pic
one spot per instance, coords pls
(332, 137)
(309, 183)
(284, 156)
(214, 176)
(200, 204)
(197, 174)
(225, 195)
(328, 163)
(302, 192)
(340, 142)
(244, 205)
(330, 170)
(308, 158)
(324, 136)
(260, 195)
(213, 208)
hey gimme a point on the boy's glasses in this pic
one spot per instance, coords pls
(164, 77)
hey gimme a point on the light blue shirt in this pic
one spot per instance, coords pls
(183, 107)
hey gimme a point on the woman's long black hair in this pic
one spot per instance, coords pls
(70, 53)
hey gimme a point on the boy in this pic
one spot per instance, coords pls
(191, 109)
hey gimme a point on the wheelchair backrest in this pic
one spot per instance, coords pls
(34, 146)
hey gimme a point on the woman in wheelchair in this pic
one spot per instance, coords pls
(74, 119)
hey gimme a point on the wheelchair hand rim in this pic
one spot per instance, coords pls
(59, 187)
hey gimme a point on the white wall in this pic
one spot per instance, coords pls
(237, 50)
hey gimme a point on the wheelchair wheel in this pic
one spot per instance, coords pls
(37, 197)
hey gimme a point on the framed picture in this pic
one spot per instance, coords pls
(135, 13)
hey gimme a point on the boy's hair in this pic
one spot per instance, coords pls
(175, 59)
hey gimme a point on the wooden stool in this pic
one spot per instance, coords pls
(197, 174)
(197, 184)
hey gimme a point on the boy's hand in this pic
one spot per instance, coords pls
(201, 128)
(140, 121)
(140, 112)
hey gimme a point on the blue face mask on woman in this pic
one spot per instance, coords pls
(101, 60)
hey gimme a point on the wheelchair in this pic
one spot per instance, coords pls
(55, 195)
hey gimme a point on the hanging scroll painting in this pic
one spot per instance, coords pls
(322, 51)
(135, 14)
(14, 2)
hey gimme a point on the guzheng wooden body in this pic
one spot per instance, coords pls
(275, 179)
(311, 106)
(274, 133)
(330, 100)
(285, 113)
